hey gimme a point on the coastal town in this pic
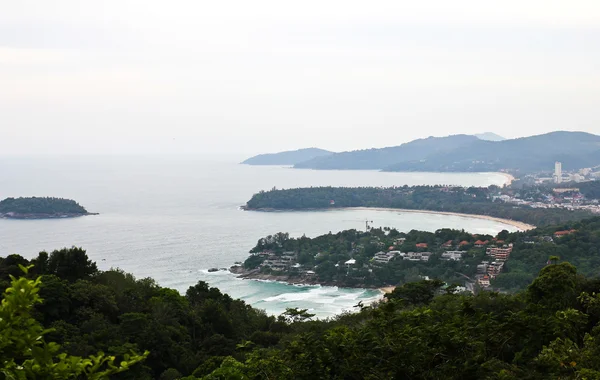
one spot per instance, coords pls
(380, 258)
(561, 190)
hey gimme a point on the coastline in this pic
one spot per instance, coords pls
(387, 289)
(17, 216)
(520, 225)
(509, 178)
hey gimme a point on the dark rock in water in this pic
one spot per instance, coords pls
(213, 270)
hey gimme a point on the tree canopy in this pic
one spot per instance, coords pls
(41, 205)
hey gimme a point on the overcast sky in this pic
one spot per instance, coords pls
(210, 77)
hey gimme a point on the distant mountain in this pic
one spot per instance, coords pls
(528, 154)
(489, 136)
(384, 157)
(287, 158)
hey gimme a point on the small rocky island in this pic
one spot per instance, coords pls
(41, 208)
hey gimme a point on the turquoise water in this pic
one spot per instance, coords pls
(173, 218)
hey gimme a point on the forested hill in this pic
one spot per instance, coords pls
(287, 158)
(384, 157)
(475, 201)
(529, 154)
(38, 207)
(464, 153)
(424, 331)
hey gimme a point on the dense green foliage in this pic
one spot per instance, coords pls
(89, 311)
(24, 353)
(384, 157)
(531, 252)
(326, 255)
(423, 331)
(523, 155)
(287, 158)
(549, 331)
(435, 198)
(36, 205)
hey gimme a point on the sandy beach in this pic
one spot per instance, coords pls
(509, 178)
(520, 225)
(387, 289)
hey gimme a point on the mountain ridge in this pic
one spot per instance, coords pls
(290, 157)
(379, 158)
(468, 153)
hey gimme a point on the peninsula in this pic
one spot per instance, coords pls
(384, 257)
(490, 202)
(292, 157)
(41, 208)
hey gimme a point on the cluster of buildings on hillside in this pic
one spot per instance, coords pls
(487, 270)
(560, 176)
(565, 198)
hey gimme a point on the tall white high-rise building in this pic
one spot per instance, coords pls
(557, 172)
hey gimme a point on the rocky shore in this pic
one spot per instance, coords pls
(14, 215)
(254, 274)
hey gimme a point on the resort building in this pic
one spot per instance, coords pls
(453, 255)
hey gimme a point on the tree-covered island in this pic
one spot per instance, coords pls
(387, 257)
(41, 208)
(490, 201)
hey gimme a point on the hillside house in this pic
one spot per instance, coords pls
(483, 267)
(384, 257)
(559, 234)
(494, 269)
(421, 245)
(499, 254)
(453, 255)
(480, 243)
(484, 281)
(418, 256)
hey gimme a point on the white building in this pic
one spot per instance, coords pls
(557, 172)
(453, 255)
(384, 257)
(417, 256)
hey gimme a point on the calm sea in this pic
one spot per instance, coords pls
(174, 218)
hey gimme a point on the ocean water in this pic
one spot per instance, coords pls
(174, 218)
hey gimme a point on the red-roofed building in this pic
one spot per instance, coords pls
(563, 233)
(421, 245)
(484, 281)
(464, 242)
(447, 244)
(480, 243)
